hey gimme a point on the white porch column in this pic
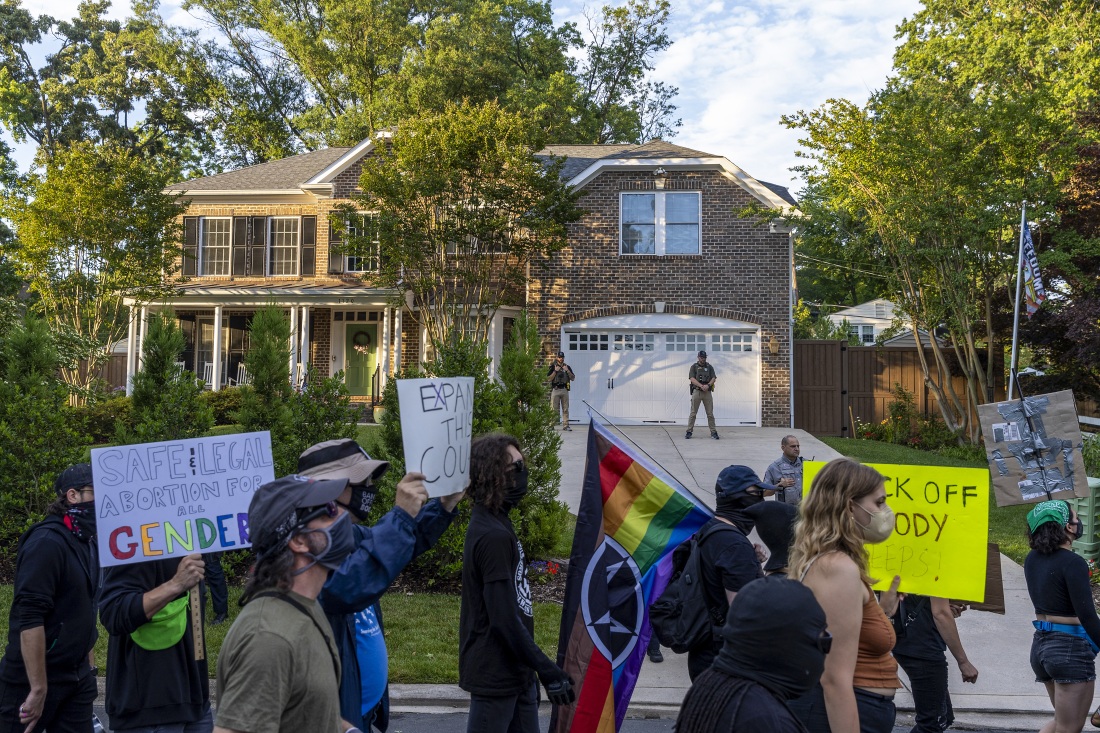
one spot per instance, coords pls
(303, 321)
(131, 353)
(216, 384)
(491, 347)
(141, 336)
(397, 340)
(293, 349)
(385, 349)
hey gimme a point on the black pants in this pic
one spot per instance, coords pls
(509, 714)
(928, 679)
(215, 582)
(876, 713)
(68, 707)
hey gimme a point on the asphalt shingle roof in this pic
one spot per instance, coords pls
(276, 175)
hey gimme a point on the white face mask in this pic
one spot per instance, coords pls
(880, 527)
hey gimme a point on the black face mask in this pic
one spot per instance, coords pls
(1079, 530)
(732, 508)
(362, 498)
(513, 495)
(81, 518)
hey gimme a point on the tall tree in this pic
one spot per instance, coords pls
(461, 206)
(93, 228)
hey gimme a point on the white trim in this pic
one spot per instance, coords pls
(762, 193)
(344, 162)
(270, 260)
(660, 322)
(295, 337)
(200, 261)
(397, 324)
(217, 346)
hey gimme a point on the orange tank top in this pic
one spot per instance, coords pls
(875, 666)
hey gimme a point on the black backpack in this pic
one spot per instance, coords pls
(681, 617)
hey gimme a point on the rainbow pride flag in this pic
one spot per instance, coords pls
(632, 517)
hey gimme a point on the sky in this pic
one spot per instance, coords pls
(739, 67)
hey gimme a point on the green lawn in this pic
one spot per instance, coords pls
(1007, 525)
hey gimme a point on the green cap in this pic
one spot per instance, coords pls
(166, 627)
(1054, 510)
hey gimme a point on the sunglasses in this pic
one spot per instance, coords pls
(825, 642)
(329, 510)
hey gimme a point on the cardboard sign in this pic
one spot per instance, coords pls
(178, 497)
(1034, 449)
(941, 527)
(437, 417)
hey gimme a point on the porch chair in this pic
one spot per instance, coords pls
(243, 377)
(208, 375)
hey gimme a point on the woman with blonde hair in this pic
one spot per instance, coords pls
(846, 508)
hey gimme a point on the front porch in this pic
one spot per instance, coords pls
(335, 328)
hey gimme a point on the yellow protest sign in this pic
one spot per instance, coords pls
(941, 528)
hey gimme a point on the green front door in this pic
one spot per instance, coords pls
(361, 356)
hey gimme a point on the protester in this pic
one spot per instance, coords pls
(155, 682)
(278, 669)
(497, 658)
(53, 609)
(1067, 630)
(786, 471)
(727, 557)
(774, 522)
(774, 647)
(351, 594)
(215, 583)
(927, 630)
(845, 508)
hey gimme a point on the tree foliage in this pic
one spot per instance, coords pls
(166, 403)
(265, 401)
(93, 228)
(461, 206)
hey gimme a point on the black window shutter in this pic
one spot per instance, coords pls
(190, 246)
(240, 246)
(309, 246)
(258, 245)
(335, 258)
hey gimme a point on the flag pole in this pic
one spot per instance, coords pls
(1016, 311)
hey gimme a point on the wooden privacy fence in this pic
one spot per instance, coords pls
(835, 383)
(112, 371)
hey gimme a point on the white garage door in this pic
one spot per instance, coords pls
(633, 369)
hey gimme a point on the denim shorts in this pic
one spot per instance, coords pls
(1062, 658)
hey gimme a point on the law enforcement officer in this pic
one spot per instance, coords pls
(786, 471)
(560, 375)
(701, 376)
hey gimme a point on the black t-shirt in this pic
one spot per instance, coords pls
(758, 711)
(486, 664)
(1058, 584)
(920, 639)
(729, 562)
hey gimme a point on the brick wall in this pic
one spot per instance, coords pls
(743, 272)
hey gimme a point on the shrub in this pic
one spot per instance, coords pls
(224, 403)
(265, 403)
(101, 419)
(166, 403)
(321, 411)
(1091, 453)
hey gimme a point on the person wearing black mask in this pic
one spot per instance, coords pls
(774, 521)
(56, 583)
(775, 642)
(278, 669)
(727, 557)
(497, 656)
(351, 595)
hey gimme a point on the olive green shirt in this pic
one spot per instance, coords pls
(275, 670)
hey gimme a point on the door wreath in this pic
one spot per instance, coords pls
(361, 342)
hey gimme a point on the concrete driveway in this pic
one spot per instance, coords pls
(696, 463)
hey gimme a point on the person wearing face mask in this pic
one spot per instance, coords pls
(727, 557)
(775, 642)
(846, 508)
(279, 669)
(1067, 630)
(498, 659)
(351, 595)
(56, 582)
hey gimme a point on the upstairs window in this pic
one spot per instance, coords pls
(283, 245)
(367, 260)
(216, 237)
(660, 223)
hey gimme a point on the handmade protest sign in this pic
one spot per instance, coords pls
(941, 526)
(1034, 448)
(177, 497)
(437, 417)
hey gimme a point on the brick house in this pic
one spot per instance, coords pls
(659, 267)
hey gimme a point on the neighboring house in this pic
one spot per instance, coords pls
(660, 267)
(866, 321)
